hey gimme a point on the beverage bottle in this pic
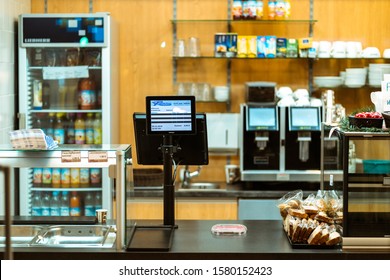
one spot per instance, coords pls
(89, 129)
(75, 177)
(37, 177)
(89, 205)
(65, 177)
(50, 125)
(75, 205)
(79, 129)
(37, 95)
(98, 201)
(64, 204)
(84, 176)
(36, 204)
(56, 177)
(55, 204)
(70, 132)
(87, 94)
(95, 176)
(46, 204)
(45, 95)
(37, 121)
(59, 129)
(97, 129)
(46, 176)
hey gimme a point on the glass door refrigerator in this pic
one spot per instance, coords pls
(67, 88)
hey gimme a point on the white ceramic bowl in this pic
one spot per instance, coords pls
(328, 82)
(221, 93)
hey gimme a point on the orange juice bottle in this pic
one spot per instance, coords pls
(75, 205)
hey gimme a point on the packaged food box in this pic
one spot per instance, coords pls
(252, 46)
(242, 48)
(270, 46)
(281, 47)
(220, 44)
(292, 48)
(261, 46)
(231, 44)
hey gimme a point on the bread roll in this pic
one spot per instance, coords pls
(324, 237)
(310, 209)
(315, 235)
(334, 238)
(294, 203)
(323, 217)
(300, 213)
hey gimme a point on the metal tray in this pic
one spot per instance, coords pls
(72, 236)
(21, 235)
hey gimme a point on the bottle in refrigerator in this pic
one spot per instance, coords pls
(45, 95)
(97, 129)
(46, 177)
(98, 201)
(89, 129)
(59, 129)
(64, 204)
(75, 205)
(36, 204)
(95, 176)
(56, 177)
(37, 59)
(70, 132)
(37, 177)
(65, 177)
(74, 177)
(87, 94)
(55, 204)
(84, 176)
(50, 125)
(79, 129)
(46, 204)
(89, 205)
(37, 95)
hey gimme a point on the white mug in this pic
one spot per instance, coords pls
(353, 49)
(324, 49)
(338, 49)
(386, 53)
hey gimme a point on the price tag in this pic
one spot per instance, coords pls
(55, 73)
(97, 156)
(70, 156)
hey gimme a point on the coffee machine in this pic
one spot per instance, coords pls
(303, 138)
(280, 143)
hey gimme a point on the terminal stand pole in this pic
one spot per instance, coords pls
(169, 190)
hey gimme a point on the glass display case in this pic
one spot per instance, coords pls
(114, 160)
(366, 188)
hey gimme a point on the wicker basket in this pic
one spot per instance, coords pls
(148, 177)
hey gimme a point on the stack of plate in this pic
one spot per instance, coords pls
(355, 77)
(328, 82)
(375, 73)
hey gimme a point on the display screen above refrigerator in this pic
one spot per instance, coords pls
(79, 30)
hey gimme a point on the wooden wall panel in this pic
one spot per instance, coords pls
(146, 67)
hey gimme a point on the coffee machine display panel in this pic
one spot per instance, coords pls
(262, 118)
(304, 119)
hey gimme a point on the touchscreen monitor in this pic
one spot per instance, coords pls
(170, 115)
(304, 118)
(192, 149)
(261, 118)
